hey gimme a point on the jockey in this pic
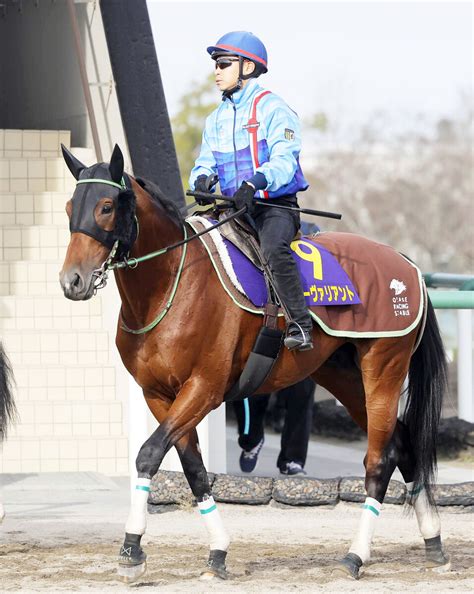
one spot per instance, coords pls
(252, 141)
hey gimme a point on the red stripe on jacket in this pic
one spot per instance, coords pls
(253, 131)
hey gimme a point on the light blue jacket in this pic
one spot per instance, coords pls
(232, 150)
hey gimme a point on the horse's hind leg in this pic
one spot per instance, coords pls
(428, 519)
(384, 365)
(343, 379)
(196, 474)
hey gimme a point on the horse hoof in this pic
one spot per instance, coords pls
(441, 564)
(436, 559)
(131, 573)
(211, 574)
(215, 566)
(350, 566)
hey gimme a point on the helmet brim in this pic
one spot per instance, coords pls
(215, 51)
(218, 53)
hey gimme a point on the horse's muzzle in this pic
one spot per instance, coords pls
(75, 286)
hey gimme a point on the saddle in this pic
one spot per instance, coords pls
(353, 286)
(244, 237)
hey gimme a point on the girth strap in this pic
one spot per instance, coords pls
(259, 364)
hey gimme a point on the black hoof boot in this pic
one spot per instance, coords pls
(215, 566)
(436, 558)
(132, 559)
(350, 565)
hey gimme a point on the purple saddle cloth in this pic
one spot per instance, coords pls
(323, 279)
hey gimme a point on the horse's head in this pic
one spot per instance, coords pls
(101, 219)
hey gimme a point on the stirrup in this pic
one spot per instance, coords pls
(297, 338)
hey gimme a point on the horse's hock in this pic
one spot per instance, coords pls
(70, 412)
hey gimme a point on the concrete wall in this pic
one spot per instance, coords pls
(40, 85)
(76, 408)
(40, 72)
(72, 391)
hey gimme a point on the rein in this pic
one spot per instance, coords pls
(133, 262)
(101, 274)
(169, 303)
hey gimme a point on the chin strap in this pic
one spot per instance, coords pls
(229, 92)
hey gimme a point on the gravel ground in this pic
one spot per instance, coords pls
(46, 547)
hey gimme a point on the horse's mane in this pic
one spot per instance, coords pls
(167, 203)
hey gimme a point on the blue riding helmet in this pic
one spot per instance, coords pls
(241, 43)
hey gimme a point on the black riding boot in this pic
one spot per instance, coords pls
(276, 230)
(298, 334)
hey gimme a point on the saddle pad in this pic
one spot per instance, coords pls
(384, 299)
(323, 280)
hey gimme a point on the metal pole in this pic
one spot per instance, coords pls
(465, 367)
(137, 426)
(465, 282)
(84, 79)
(212, 439)
(451, 299)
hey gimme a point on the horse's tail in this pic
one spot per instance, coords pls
(427, 385)
(7, 405)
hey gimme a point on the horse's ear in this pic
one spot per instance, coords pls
(116, 165)
(74, 165)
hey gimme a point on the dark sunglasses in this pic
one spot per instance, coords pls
(223, 63)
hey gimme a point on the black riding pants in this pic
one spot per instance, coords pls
(276, 230)
(298, 403)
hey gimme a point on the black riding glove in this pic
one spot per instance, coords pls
(244, 197)
(204, 183)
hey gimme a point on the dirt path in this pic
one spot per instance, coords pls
(274, 549)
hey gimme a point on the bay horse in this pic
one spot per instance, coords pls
(7, 403)
(186, 343)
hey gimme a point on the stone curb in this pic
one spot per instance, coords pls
(353, 489)
(252, 490)
(171, 488)
(309, 491)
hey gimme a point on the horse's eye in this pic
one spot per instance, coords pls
(107, 209)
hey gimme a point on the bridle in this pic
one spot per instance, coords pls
(100, 275)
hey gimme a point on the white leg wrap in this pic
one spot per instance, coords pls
(428, 518)
(2, 513)
(136, 523)
(219, 539)
(361, 543)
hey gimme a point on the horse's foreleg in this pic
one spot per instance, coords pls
(190, 406)
(132, 558)
(193, 467)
